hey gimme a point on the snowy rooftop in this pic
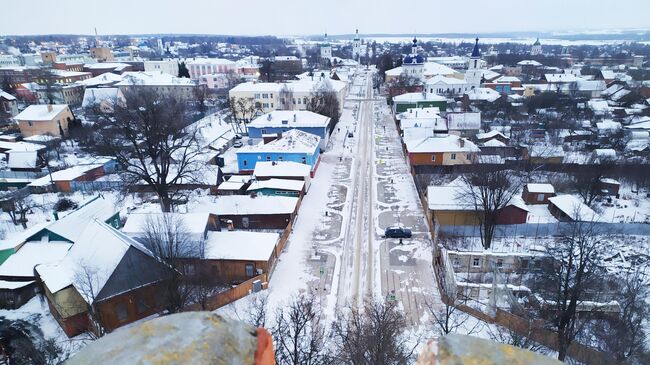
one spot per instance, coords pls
(95, 96)
(301, 86)
(244, 205)
(103, 65)
(22, 159)
(447, 197)
(41, 112)
(574, 208)
(22, 263)
(192, 223)
(490, 134)
(414, 97)
(70, 225)
(103, 79)
(445, 80)
(447, 143)
(540, 188)
(281, 169)
(280, 184)
(290, 119)
(100, 246)
(240, 245)
(6, 95)
(494, 143)
(210, 61)
(414, 113)
(529, 63)
(68, 174)
(153, 78)
(20, 146)
(292, 141)
(430, 69)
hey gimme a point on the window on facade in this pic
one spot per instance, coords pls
(456, 262)
(433, 157)
(476, 262)
(469, 157)
(268, 158)
(304, 160)
(453, 156)
(141, 305)
(500, 263)
(280, 158)
(189, 269)
(245, 162)
(304, 101)
(245, 222)
(121, 312)
(540, 197)
(249, 270)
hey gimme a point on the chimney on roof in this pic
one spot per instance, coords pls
(461, 142)
(269, 117)
(294, 117)
(49, 108)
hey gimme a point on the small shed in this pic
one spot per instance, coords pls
(608, 186)
(567, 208)
(537, 193)
(515, 212)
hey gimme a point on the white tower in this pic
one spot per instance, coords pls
(413, 64)
(356, 46)
(326, 49)
(474, 72)
(536, 49)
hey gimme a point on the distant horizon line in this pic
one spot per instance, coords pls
(590, 32)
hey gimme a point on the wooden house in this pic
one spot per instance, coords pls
(124, 277)
(568, 208)
(255, 212)
(537, 193)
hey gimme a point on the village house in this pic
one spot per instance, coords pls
(194, 225)
(446, 150)
(45, 119)
(283, 170)
(568, 208)
(107, 279)
(465, 124)
(234, 185)
(278, 187)
(402, 103)
(294, 145)
(74, 178)
(236, 256)
(8, 105)
(255, 212)
(537, 193)
(281, 121)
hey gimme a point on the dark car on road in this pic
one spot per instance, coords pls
(397, 232)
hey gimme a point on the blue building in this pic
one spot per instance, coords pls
(280, 121)
(294, 145)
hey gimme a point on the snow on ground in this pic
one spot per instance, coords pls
(37, 312)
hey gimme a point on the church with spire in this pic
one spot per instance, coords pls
(536, 49)
(356, 46)
(474, 72)
(413, 63)
(325, 50)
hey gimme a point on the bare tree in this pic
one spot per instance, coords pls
(201, 95)
(86, 277)
(623, 335)
(256, 311)
(447, 318)
(488, 192)
(298, 333)
(18, 207)
(244, 109)
(324, 101)
(149, 138)
(574, 276)
(511, 337)
(586, 181)
(286, 97)
(166, 236)
(47, 81)
(374, 335)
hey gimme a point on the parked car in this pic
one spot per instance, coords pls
(237, 144)
(350, 135)
(397, 232)
(238, 136)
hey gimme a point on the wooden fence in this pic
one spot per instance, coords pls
(226, 297)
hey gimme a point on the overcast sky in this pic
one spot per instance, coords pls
(299, 17)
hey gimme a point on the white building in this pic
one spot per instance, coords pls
(356, 46)
(208, 66)
(413, 64)
(443, 85)
(169, 66)
(474, 72)
(326, 49)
